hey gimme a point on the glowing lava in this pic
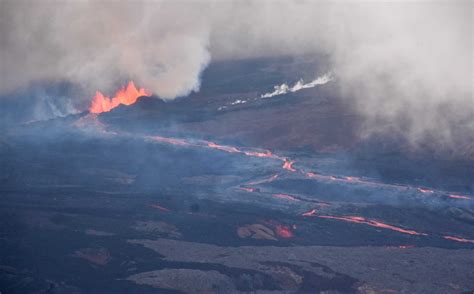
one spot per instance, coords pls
(458, 239)
(172, 141)
(312, 212)
(283, 231)
(459, 197)
(362, 220)
(424, 190)
(288, 165)
(372, 223)
(127, 96)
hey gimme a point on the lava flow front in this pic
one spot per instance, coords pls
(127, 96)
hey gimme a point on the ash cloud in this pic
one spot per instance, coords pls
(405, 66)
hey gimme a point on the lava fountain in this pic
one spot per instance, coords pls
(126, 95)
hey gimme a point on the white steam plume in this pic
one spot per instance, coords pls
(284, 88)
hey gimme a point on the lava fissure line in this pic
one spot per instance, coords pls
(363, 220)
(288, 165)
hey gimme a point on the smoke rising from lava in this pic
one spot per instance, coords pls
(406, 66)
(101, 44)
(300, 85)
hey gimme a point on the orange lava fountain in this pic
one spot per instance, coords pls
(127, 96)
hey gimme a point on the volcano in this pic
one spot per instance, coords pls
(204, 195)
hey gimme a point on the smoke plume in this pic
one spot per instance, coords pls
(299, 85)
(100, 44)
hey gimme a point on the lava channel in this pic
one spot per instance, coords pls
(458, 239)
(362, 220)
(267, 180)
(459, 197)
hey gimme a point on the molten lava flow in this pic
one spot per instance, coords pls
(252, 153)
(283, 231)
(373, 223)
(285, 196)
(312, 212)
(458, 239)
(362, 220)
(459, 197)
(359, 181)
(157, 206)
(127, 95)
(265, 153)
(247, 189)
(424, 190)
(288, 165)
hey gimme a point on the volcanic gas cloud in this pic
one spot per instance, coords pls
(127, 96)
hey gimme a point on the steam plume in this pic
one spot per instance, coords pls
(284, 88)
(101, 44)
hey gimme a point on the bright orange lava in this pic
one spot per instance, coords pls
(288, 165)
(362, 220)
(229, 149)
(283, 231)
(373, 223)
(127, 95)
(458, 239)
(312, 212)
(459, 197)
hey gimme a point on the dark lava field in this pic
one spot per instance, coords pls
(211, 194)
